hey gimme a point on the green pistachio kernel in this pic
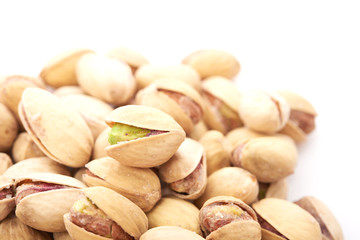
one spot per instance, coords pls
(121, 132)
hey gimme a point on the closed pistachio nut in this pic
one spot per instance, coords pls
(24, 147)
(170, 232)
(268, 158)
(263, 111)
(101, 213)
(241, 135)
(140, 185)
(213, 62)
(280, 219)
(60, 71)
(226, 218)
(61, 236)
(49, 122)
(105, 78)
(68, 90)
(330, 228)
(142, 136)
(230, 181)
(128, 55)
(7, 197)
(5, 162)
(101, 143)
(8, 128)
(170, 211)
(278, 189)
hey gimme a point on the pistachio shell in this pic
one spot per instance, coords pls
(241, 135)
(293, 131)
(199, 130)
(141, 186)
(147, 151)
(128, 55)
(5, 162)
(68, 90)
(170, 232)
(297, 102)
(278, 189)
(148, 73)
(175, 212)
(8, 128)
(48, 121)
(101, 143)
(105, 78)
(7, 205)
(60, 70)
(62, 236)
(289, 219)
(78, 233)
(213, 62)
(79, 174)
(51, 178)
(24, 147)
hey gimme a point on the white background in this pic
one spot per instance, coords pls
(310, 47)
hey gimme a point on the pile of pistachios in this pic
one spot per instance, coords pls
(110, 146)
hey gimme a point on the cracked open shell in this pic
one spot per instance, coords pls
(7, 198)
(50, 122)
(281, 219)
(140, 185)
(229, 218)
(113, 207)
(145, 151)
(43, 198)
(170, 232)
(185, 172)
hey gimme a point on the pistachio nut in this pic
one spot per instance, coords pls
(7, 196)
(241, 135)
(24, 147)
(12, 228)
(34, 165)
(133, 58)
(105, 78)
(262, 111)
(176, 98)
(5, 162)
(101, 143)
(221, 99)
(230, 181)
(217, 151)
(213, 62)
(199, 130)
(61, 236)
(268, 158)
(185, 172)
(49, 121)
(79, 174)
(91, 109)
(60, 70)
(68, 90)
(278, 189)
(140, 185)
(281, 219)
(225, 218)
(142, 136)
(8, 128)
(43, 198)
(170, 232)
(147, 74)
(101, 213)
(171, 211)
(330, 228)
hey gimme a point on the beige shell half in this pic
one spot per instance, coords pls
(133, 58)
(141, 186)
(241, 135)
(289, 219)
(170, 232)
(5, 162)
(8, 128)
(175, 212)
(269, 158)
(297, 102)
(24, 147)
(50, 178)
(100, 144)
(147, 151)
(7, 205)
(213, 62)
(50, 122)
(68, 90)
(230, 181)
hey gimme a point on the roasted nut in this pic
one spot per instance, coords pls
(281, 219)
(241, 135)
(34, 165)
(141, 186)
(49, 122)
(199, 130)
(7, 197)
(148, 73)
(268, 158)
(60, 71)
(68, 90)
(5, 162)
(263, 111)
(227, 218)
(105, 78)
(102, 213)
(8, 128)
(43, 198)
(185, 172)
(230, 181)
(61, 236)
(170, 232)
(221, 99)
(278, 189)
(128, 55)
(330, 228)
(217, 151)
(175, 212)
(24, 147)
(142, 136)
(176, 98)
(101, 143)
(79, 174)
